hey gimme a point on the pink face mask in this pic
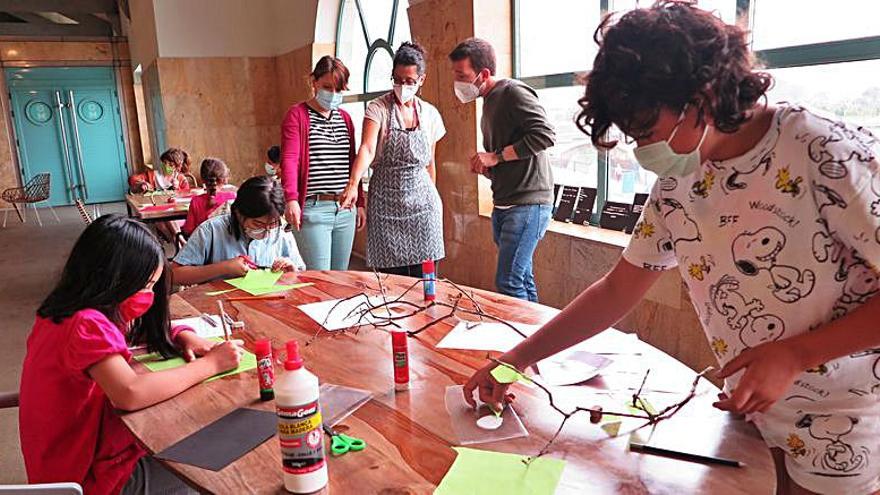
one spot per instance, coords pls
(136, 305)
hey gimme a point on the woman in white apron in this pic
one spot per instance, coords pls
(404, 211)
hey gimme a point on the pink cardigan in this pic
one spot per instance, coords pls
(295, 153)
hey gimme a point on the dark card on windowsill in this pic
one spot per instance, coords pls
(615, 216)
(225, 440)
(636, 211)
(583, 211)
(566, 204)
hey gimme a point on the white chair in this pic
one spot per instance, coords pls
(10, 399)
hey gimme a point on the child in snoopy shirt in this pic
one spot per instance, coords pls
(772, 215)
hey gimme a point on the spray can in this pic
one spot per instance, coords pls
(299, 426)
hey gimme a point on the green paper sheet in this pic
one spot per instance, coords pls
(507, 374)
(154, 362)
(259, 282)
(478, 472)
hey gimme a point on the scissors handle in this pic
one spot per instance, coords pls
(341, 444)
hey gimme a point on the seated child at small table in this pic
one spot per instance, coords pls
(215, 175)
(113, 293)
(221, 246)
(175, 163)
(274, 164)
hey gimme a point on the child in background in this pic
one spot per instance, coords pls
(113, 293)
(215, 175)
(175, 163)
(250, 235)
(272, 166)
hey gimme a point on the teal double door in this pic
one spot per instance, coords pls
(67, 123)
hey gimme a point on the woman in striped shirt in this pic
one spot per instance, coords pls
(317, 152)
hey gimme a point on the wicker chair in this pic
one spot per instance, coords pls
(35, 191)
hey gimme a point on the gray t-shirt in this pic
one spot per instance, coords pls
(512, 115)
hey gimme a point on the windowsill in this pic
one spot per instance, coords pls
(586, 232)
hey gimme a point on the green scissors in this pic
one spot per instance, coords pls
(340, 443)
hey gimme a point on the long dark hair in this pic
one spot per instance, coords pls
(668, 56)
(113, 258)
(213, 170)
(257, 197)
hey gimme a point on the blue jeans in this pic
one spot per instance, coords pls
(516, 232)
(326, 235)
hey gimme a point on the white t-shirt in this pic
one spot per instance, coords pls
(429, 119)
(775, 243)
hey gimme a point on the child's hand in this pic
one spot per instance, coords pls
(770, 369)
(225, 355)
(236, 267)
(283, 265)
(192, 345)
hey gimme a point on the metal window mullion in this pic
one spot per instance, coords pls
(603, 157)
(393, 25)
(830, 52)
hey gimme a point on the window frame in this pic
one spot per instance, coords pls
(810, 54)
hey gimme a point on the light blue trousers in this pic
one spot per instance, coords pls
(326, 235)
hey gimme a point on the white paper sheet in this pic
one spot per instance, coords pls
(345, 314)
(202, 328)
(486, 336)
(571, 368)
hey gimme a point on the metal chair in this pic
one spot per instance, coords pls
(81, 208)
(35, 191)
(10, 399)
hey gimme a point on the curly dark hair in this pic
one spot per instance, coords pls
(411, 53)
(668, 55)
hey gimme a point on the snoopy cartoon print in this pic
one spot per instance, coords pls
(754, 252)
(838, 455)
(743, 316)
(678, 222)
(861, 284)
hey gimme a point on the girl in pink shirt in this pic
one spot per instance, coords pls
(215, 175)
(113, 293)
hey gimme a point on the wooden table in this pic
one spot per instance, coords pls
(176, 210)
(409, 434)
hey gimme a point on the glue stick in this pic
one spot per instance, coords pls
(265, 369)
(429, 284)
(400, 355)
(299, 426)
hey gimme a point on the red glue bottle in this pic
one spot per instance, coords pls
(400, 355)
(265, 369)
(428, 273)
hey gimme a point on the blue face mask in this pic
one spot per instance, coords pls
(661, 159)
(329, 99)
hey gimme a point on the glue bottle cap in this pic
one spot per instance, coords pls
(398, 339)
(263, 347)
(428, 266)
(294, 361)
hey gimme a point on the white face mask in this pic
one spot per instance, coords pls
(661, 159)
(467, 91)
(405, 92)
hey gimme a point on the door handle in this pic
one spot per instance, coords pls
(79, 156)
(66, 151)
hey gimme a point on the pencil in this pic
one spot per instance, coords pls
(687, 456)
(223, 321)
(255, 298)
(208, 319)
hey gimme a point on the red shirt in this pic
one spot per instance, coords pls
(200, 209)
(69, 431)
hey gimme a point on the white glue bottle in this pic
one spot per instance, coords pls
(299, 426)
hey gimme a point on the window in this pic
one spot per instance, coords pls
(367, 33)
(823, 56)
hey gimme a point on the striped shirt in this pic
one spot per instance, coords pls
(329, 145)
